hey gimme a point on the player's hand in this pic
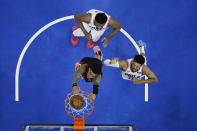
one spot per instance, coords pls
(135, 80)
(88, 36)
(106, 41)
(114, 60)
(91, 97)
(76, 89)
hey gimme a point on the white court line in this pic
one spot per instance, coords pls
(26, 47)
(43, 29)
(62, 128)
(27, 128)
(146, 90)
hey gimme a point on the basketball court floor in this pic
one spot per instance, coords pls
(37, 63)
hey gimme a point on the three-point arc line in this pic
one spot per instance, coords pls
(43, 29)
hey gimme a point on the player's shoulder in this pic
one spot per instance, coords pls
(145, 69)
(123, 62)
(83, 66)
(87, 17)
(83, 17)
(111, 21)
(114, 22)
(123, 65)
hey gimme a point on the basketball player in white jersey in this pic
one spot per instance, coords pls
(92, 25)
(133, 69)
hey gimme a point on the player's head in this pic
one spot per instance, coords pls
(94, 70)
(91, 74)
(138, 61)
(100, 20)
(94, 67)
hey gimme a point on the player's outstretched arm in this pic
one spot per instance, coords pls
(152, 78)
(96, 86)
(76, 76)
(116, 28)
(116, 63)
(79, 18)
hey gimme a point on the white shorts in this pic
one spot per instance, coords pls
(96, 35)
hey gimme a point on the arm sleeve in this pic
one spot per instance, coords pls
(95, 89)
(78, 74)
(96, 85)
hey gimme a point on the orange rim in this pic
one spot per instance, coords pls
(67, 110)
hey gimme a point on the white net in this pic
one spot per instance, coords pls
(84, 111)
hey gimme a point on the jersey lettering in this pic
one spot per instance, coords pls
(131, 76)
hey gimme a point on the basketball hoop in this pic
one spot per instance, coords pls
(80, 114)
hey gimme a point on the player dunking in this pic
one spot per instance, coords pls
(90, 69)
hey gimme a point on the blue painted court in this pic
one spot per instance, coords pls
(168, 27)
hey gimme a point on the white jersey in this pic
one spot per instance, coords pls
(93, 13)
(128, 74)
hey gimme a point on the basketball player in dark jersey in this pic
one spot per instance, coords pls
(89, 69)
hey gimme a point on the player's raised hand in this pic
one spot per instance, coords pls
(76, 89)
(91, 97)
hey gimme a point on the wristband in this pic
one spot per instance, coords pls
(74, 84)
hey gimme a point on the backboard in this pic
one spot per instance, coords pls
(88, 127)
